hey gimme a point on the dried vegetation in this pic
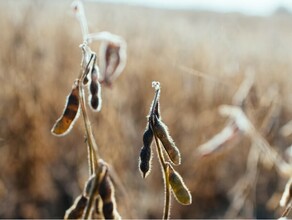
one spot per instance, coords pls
(201, 60)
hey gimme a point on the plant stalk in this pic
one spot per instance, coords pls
(155, 100)
(91, 144)
(166, 211)
(99, 176)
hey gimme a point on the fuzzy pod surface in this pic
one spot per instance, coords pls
(64, 124)
(161, 131)
(106, 192)
(88, 185)
(180, 190)
(77, 209)
(146, 152)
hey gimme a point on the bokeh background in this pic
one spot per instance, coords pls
(41, 175)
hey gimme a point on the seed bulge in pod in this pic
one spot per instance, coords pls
(146, 153)
(71, 112)
(85, 80)
(93, 87)
(145, 161)
(180, 191)
(148, 136)
(94, 102)
(160, 130)
(94, 82)
(106, 192)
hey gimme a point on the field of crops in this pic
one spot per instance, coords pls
(200, 59)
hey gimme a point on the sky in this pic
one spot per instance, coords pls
(248, 7)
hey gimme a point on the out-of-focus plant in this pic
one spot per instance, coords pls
(97, 199)
(157, 130)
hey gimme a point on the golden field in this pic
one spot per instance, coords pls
(200, 59)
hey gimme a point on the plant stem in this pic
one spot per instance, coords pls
(166, 211)
(163, 164)
(82, 19)
(92, 147)
(91, 144)
(155, 100)
(99, 176)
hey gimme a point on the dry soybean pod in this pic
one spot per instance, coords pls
(94, 98)
(88, 185)
(161, 131)
(106, 192)
(71, 112)
(76, 210)
(86, 79)
(146, 152)
(157, 109)
(97, 213)
(180, 191)
(87, 58)
(109, 54)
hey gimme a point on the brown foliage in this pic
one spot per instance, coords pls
(39, 58)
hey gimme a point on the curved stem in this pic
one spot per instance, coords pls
(163, 164)
(78, 6)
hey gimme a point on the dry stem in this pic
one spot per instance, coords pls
(163, 164)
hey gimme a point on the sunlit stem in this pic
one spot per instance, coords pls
(164, 165)
(79, 12)
(92, 146)
(156, 86)
(100, 172)
(165, 171)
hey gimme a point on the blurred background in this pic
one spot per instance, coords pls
(200, 58)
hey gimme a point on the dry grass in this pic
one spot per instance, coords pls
(39, 57)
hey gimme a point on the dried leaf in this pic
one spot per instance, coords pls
(219, 140)
(112, 60)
